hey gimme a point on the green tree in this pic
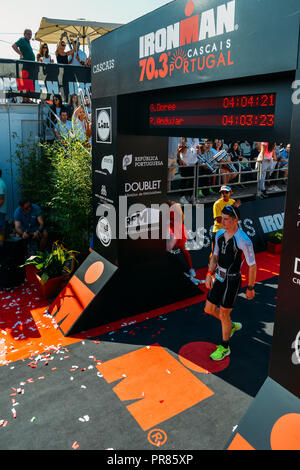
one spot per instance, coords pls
(71, 186)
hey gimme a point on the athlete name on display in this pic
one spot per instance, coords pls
(222, 112)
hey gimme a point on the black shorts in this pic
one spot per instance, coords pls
(225, 293)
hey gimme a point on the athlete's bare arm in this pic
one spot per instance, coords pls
(212, 267)
(250, 294)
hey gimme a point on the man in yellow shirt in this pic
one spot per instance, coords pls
(225, 200)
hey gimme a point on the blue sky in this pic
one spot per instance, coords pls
(18, 15)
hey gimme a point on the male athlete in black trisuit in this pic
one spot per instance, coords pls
(230, 246)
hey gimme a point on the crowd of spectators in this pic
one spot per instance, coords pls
(242, 162)
(73, 56)
(71, 119)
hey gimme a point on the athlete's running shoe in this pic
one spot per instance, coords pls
(220, 353)
(235, 327)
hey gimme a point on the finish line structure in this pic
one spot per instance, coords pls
(190, 69)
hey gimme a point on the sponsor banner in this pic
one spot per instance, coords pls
(129, 176)
(143, 167)
(104, 171)
(41, 81)
(188, 42)
(142, 181)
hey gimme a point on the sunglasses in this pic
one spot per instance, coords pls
(63, 44)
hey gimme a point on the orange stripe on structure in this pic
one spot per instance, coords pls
(70, 303)
(239, 443)
(161, 385)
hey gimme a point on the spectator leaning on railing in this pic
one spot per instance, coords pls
(23, 46)
(43, 54)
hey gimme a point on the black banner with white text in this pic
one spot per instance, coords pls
(41, 81)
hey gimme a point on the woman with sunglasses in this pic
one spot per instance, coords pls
(56, 108)
(232, 247)
(62, 57)
(43, 54)
(73, 104)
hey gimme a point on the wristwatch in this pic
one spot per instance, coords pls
(250, 287)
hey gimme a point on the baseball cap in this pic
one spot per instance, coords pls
(225, 188)
(232, 211)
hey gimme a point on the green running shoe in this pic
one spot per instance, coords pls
(220, 353)
(235, 327)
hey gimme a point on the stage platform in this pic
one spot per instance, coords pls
(137, 384)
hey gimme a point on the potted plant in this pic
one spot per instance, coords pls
(53, 268)
(274, 242)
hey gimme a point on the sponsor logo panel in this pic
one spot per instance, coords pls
(104, 125)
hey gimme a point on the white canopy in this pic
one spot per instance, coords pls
(51, 29)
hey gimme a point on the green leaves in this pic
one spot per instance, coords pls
(53, 264)
(71, 201)
(59, 179)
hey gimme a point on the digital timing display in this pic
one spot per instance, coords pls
(243, 111)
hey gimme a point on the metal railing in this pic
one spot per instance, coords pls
(249, 177)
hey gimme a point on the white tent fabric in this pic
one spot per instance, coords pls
(51, 29)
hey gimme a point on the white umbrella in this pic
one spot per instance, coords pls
(50, 29)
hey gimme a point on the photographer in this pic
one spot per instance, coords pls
(29, 223)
